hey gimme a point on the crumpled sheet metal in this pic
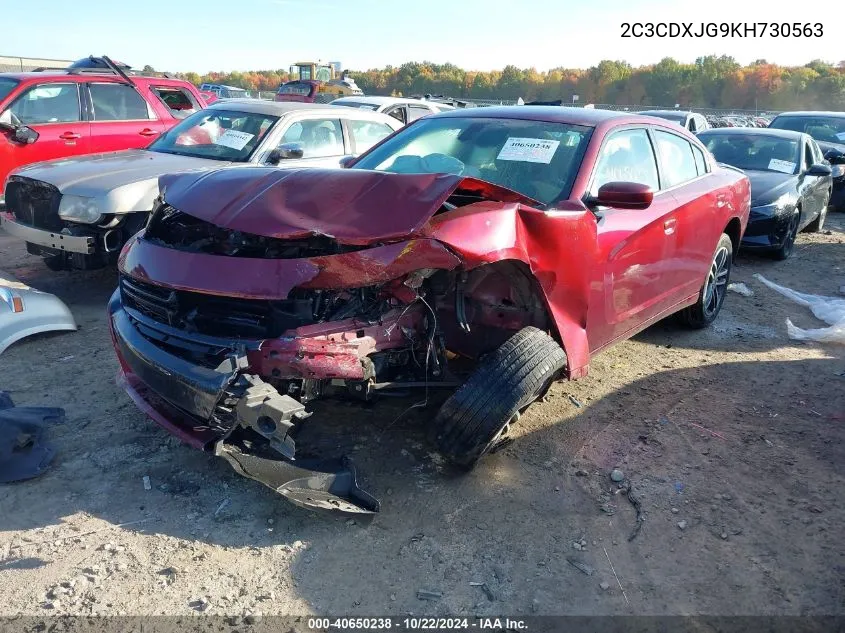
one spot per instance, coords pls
(24, 451)
(42, 312)
(831, 310)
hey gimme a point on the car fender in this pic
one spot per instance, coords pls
(559, 247)
(25, 311)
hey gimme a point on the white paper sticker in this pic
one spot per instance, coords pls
(529, 150)
(840, 136)
(234, 139)
(784, 166)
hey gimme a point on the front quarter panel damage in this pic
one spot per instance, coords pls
(558, 246)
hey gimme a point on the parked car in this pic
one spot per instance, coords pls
(483, 253)
(225, 92)
(790, 183)
(828, 129)
(403, 110)
(691, 121)
(67, 112)
(78, 213)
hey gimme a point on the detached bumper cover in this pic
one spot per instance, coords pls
(181, 397)
(25, 311)
(50, 239)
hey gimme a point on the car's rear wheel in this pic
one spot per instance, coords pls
(785, 249)
(712, 294)
(476, 419)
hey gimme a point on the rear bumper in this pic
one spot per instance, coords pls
(49, 239)
(184, 399)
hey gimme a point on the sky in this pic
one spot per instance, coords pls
(226, 35)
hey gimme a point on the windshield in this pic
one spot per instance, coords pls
(356, 104)
(754, 151)
(6, 86)
(217, 134)
(535, 158)
(826, 129)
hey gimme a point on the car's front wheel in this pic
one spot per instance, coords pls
(712, 294)
(476, 419)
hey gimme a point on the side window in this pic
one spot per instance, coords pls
(417, 111)
(627, 156)
(398, 113)
(700, 163)
(365, 134)
(318, 137)
(693, 124)
(179, 101)
(47, 103)
(677, 164)
(117, 102)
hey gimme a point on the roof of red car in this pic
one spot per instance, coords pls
(61, 74)
(553, 114)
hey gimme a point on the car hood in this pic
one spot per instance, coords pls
(352, 206)
(768, 186)
(94, 175)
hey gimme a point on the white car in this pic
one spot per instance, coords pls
(401, 109)
(78, 212)
(691, 121)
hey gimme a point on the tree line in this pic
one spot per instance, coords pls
(710, 82)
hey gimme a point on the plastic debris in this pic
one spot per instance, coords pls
(741, 288)
(24, 452)
(424, 594)
(831, 310)
(575, 401)
(582, 567)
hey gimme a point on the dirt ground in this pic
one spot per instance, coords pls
(732, 438)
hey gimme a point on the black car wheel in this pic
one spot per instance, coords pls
(476, 419)
(712, 295)
(788, 245)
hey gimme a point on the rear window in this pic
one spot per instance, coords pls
(6, 86)
(822, 128)
(179, 101)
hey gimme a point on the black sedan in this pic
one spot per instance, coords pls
(790, 182)
(828, 130)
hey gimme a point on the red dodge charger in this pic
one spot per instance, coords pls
(479, 254)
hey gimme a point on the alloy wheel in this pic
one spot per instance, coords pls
(717, 281)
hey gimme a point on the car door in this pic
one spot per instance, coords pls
(120, 118)
(684, 175)
(810, 187)
(54, 111)
(637, 246)
(320, 138)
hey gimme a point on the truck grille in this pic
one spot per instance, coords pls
(214, 315)
(34, 203)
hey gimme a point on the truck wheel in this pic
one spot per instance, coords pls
(712, 295)
(475, 420)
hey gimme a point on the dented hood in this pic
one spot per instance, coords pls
(353, 206)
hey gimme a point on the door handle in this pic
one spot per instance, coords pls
(669, 226)
(148, 132)
(70, 136)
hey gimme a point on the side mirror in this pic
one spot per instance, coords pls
(286, 151)
(819, 169)
(347, 161)
(624, 195)
(834, 157)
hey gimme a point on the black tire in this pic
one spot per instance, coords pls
(784, 251)
(818, 224)
(476, 418)
(56, 263)
(712, 294)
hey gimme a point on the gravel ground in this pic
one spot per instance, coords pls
(732, 440)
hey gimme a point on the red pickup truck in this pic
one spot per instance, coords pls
(95, 105)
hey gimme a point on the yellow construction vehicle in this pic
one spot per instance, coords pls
(318, 82)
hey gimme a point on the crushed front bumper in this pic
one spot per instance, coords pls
(48, 239)
(186, 399)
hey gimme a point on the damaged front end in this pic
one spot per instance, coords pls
(225, 334)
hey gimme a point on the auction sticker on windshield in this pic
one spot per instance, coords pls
(783, 166)
(234, 139)
(529, 150)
